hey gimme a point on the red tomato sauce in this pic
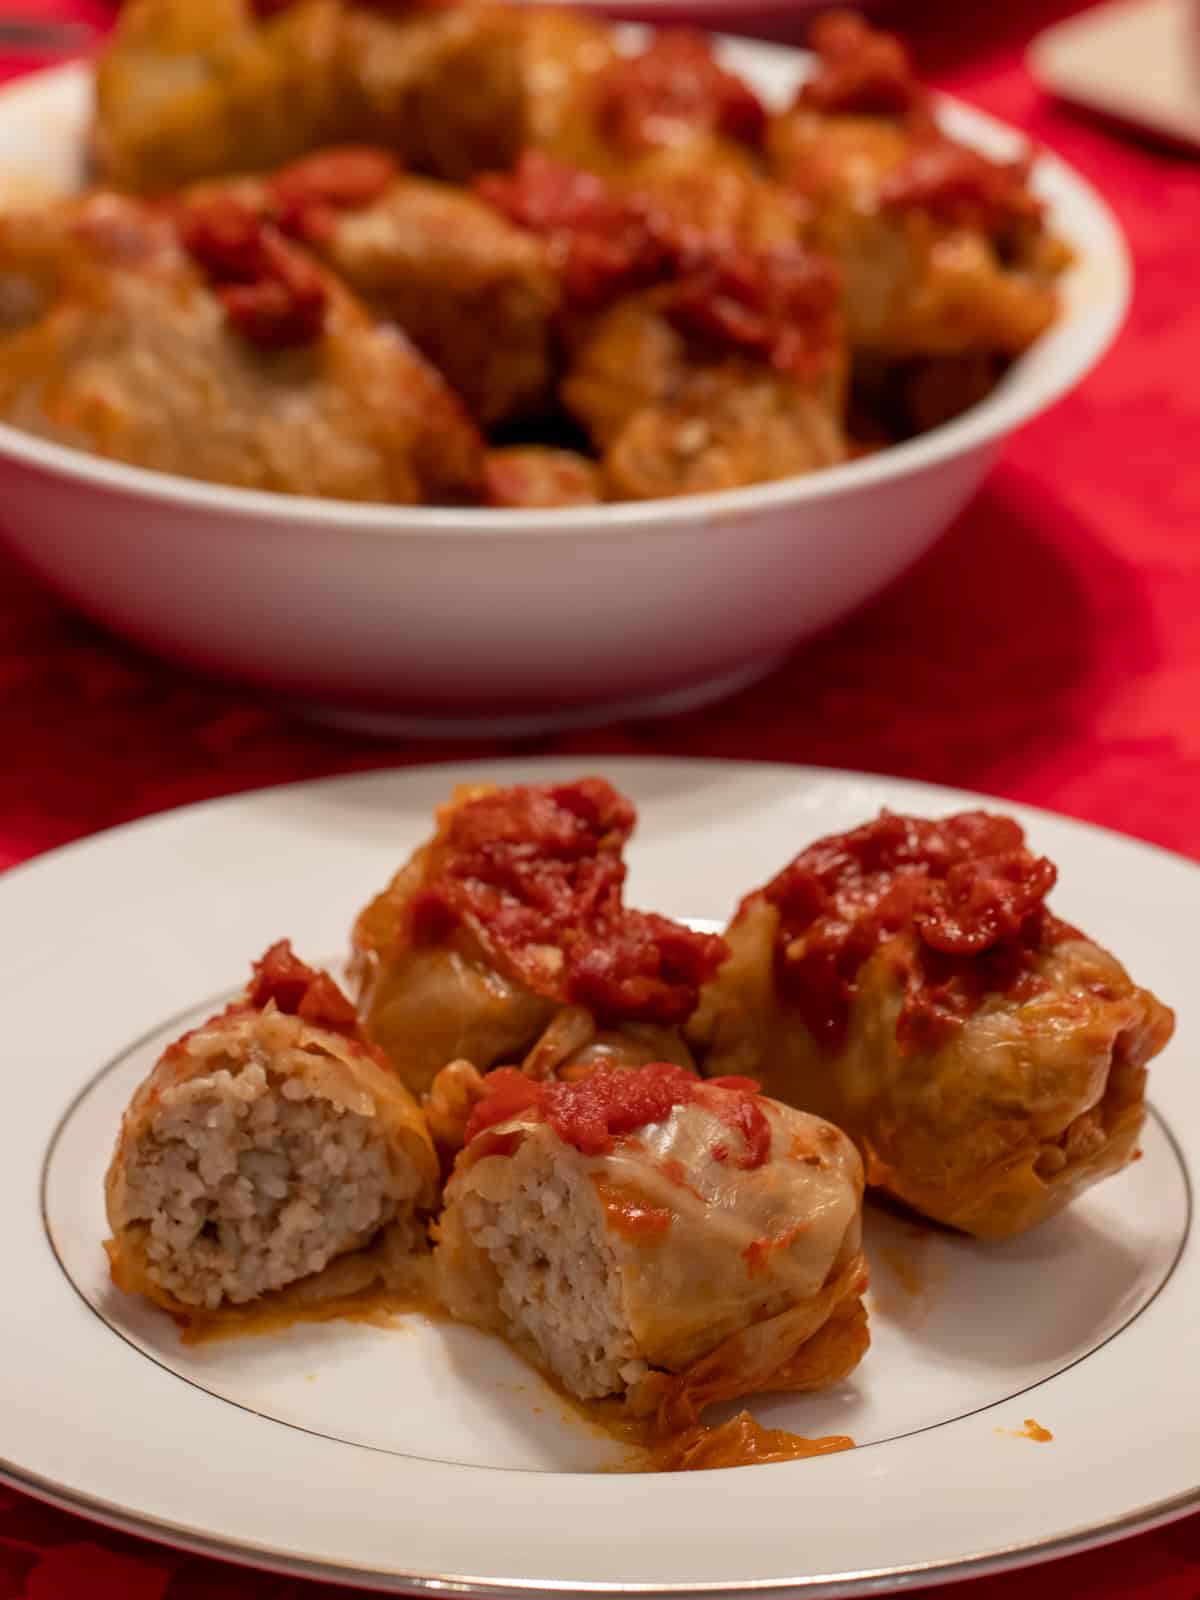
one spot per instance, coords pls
(272, 293)
(281, 979)
(672, 90)
(537, 875)
(306, 197)
(300, 991)
(630, 1216)
(963, 187)
(598, 1111)
(757, 1254)
(781, 305)
(861, 71)
(965, 893)
(601, 243)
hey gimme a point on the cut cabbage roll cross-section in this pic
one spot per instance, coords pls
(908, 981)
(647, 1235)
(195, 338)
(263, 1148)
(511, 913)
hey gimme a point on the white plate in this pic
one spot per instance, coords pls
(426, 1456)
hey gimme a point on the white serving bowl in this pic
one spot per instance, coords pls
(399, 619)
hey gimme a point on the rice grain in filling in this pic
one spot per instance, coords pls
(542, 1227)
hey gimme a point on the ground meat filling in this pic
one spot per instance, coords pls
(542, 1227)
(247, 1181)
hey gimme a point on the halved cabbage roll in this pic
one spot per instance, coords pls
(908, 981)
(512, 912)
(264, 1148)
(647, 1235)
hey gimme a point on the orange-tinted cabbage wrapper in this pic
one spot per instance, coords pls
(755, 1283)
(995, 1129)
(334, 1067)
(429, 1005)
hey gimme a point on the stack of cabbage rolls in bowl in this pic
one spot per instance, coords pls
(636, 1151)
(412, 312)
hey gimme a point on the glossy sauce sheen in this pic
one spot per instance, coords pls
(966, 893)
(377, 1305)
(740, 1442)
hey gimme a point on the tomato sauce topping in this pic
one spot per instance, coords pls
(757, 1254)
(963, 187)
(300, 991)
(600, 243)
(965, 893)
(629, 1215)
(306, 197)
(781, 305)
(281, 979)
(272, 294)
(595, 1112)
(536, 874)
(861, 71)
(672, 90)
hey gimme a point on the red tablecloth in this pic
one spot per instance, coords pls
(1047, 650)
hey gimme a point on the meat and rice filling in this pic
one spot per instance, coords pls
(264, 1145)
(539, 1220)
(644, 1234)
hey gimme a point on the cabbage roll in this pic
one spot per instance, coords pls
(945, 250)
(908, 981)
(647, 1235)
(510, 914)
(271, 1157)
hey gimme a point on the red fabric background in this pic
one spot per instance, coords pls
(1047, 650)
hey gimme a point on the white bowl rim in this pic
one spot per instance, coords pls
(1021, 396)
